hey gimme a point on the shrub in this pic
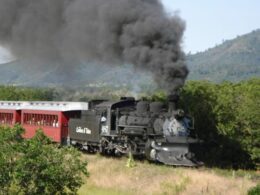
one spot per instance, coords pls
(227, 118)
(254, 191)
(37, 166)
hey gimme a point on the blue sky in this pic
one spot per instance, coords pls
(209, 22)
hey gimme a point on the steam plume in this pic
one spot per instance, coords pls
(110, 32)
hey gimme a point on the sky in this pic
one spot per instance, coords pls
(208, 22)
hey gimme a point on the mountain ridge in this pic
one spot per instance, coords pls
(233, 60)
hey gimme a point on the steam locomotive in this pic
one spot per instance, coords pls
(148, 129)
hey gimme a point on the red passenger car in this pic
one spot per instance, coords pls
(51, 117)
(10, 112)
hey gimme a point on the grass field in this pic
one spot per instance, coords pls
(111, 176)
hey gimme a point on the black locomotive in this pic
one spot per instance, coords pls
(144, 128)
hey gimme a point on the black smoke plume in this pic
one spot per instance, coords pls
(110, 32)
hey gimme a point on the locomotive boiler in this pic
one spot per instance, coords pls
(150, 129)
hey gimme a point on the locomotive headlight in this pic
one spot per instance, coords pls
(180, 113)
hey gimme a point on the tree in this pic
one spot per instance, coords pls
(37, 166)
(228, 115)
(10, 141)
(24, 93)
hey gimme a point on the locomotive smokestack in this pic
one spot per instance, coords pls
(172, 102)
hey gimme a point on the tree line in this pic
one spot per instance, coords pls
(25, 93)
(227, 118)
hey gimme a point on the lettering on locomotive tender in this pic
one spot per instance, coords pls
(84, 130)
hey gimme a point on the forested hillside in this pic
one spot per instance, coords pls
(28, 73)
(25, 93)
(233, 60)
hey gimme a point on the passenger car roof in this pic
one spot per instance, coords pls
(43, 105)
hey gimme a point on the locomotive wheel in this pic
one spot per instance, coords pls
(148, 150)
(102, 147)
(101, 150)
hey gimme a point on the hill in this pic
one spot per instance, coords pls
(233, 60)
(28, 73)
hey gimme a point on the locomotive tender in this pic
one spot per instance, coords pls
(148, 129)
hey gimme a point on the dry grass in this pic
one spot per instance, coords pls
(111, 176)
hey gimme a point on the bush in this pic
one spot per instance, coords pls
(227, 118)
(37, 166)
(255, 190)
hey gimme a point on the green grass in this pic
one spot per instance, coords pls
(174, 188)
(250, 174)
(110, 175)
